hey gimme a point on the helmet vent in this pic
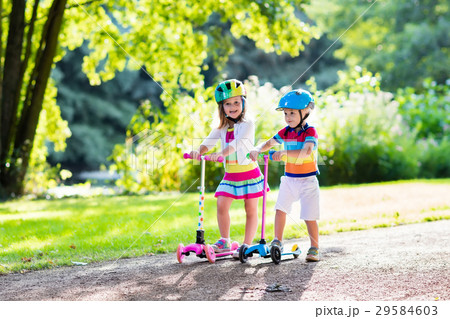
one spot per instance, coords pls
(219, 89)
(228, 85)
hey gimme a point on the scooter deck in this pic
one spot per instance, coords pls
(296, 253)
(261, 249)
(264, 251)
(203, 251)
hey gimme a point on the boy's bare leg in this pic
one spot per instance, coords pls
(313, 231)
(280, 222)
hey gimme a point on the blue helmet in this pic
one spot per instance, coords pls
(296, 99)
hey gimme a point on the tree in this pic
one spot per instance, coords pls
(24, 82)
(169, 39)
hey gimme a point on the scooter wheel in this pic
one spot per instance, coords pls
(275, 253)
(180, 255)
(242, 251)
(295, 251)
(234, 245)
(210, 254)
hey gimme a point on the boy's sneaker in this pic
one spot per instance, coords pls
(313, 254)
(278, 243)
(221, 246)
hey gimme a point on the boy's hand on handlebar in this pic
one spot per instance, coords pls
(277, 156)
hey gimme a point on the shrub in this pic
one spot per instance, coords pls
(435, 158)
(363, 138)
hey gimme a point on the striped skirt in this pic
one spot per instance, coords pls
(242, 185)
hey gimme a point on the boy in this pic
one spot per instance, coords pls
(300, 153)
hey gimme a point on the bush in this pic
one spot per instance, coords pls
(364, 140)
(427, 110)
(362, 136)
(435, 158)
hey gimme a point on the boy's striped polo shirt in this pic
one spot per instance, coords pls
(299, 167)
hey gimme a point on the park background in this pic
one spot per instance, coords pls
(100, 99)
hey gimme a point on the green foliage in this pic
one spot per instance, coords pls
(174, 54)
(405, 41)
(168, 40)
(98, 116)
(435, 158)
(152, 158)
(426, 110)
(362, 135)
(174, 50)
(51, 129)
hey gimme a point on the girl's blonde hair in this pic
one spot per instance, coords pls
(224, 121)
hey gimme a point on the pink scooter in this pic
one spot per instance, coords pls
(201, 249)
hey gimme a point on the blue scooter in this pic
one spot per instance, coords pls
(262, 248)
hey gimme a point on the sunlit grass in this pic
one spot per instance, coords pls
(47, 233)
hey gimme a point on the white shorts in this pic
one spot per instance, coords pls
(305, 189)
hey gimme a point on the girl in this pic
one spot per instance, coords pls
(243, 178)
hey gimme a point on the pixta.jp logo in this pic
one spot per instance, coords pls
(149, 151)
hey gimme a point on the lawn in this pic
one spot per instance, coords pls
(41, 234)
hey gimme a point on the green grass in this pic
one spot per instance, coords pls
(48, 233)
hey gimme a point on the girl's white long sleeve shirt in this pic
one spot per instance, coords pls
(243, 143)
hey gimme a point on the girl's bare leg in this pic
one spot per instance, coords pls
(223, 215)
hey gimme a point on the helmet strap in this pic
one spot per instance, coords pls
(299, 124)
(301, 120)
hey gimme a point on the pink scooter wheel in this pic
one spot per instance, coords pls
(210, 254)
(234, 245)
(180, 255)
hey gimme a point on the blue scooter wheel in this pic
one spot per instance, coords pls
(242, 256)
(275, 253)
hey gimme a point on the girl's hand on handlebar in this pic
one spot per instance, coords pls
(194, 154)
(215, 156)
(254, 155)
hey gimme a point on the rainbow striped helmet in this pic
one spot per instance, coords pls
(297, 99)
(229, 88)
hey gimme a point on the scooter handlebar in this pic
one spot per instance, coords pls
(206, 158)
(261, 156)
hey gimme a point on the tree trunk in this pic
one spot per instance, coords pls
(1, 81)
(13, 181)
(10, 88)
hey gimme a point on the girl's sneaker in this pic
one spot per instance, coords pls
(221, 246)
(313, 254)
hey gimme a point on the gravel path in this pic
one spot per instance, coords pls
(409, 262)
